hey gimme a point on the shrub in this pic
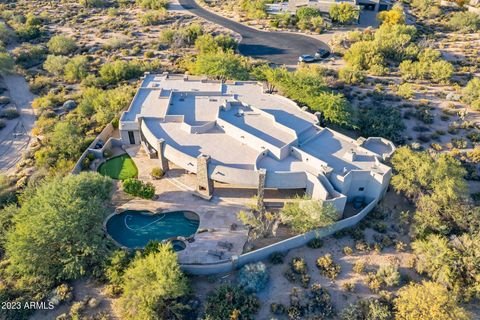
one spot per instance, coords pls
(152, 18)
(93, 3)
(359, 267)
(157, 173)
(2, 124)
(327, 267)
(405, 91)
(9, 113)
(6, 63)
(61, 45)
(276, 257)
(278, 308)
(120, 70)
(471, 93)
(138, 188)
(228, 300)
(298, 265)
(347, 251)
(153, 4)
(368, 309)
(315, 243)
(464, 21)
(388, 275)
(253, 277)
(351, 75)
(76, 69)
(28, 55)
(55, 64)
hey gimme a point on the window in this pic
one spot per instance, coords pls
(131, 137)
(361, 189)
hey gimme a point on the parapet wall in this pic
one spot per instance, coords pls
(282, 246)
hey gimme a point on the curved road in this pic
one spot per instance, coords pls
(276, 47)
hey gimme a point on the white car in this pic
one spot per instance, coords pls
(306, 58)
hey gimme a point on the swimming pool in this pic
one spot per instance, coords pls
(134, 229)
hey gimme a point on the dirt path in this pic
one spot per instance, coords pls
(14, 142)
(15, 138)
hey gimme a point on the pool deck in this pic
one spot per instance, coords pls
(216, 215)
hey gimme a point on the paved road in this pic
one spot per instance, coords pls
(276, 47)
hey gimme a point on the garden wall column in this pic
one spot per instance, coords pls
(204, 183)
(262, 173)
(163, 162)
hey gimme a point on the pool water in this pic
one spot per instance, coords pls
(134, 229)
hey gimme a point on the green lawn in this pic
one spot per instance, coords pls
(120, 168)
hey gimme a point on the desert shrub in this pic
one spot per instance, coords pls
(61, 45)
(55, 64)
(6, 35)
(464, 21)
(405, 91)
(228, 300)
(153, 4)
(28, 55)
(26, 32)
(276, 257)
(298, 272)
(152, 18)
(9, 113)
(253, 9)
(315, 243)
(2, 124)
(114, 72)
(347, 251)
(388, 275)
(327, 267)
(278, 308)
(221, 65)
(93, 3)
(157, 173)
(139, 188)
(379, 120)
(368, 309)
(359, 266)
(471, 93)
(6, 63)
(41, 84)
(76, 69)
(351, 75)
(253, 277)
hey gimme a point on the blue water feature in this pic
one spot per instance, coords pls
(134, 229)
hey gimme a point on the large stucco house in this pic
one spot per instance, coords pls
(236, 133)
(325, 5)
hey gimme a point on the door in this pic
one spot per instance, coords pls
(131, 137)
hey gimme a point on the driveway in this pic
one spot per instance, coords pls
(276, 47)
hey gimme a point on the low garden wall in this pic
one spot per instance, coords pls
(282, 246)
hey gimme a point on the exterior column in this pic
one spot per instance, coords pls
(204, 183)
(163, 162)
(262, 173)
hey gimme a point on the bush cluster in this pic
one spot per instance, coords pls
(139, 188)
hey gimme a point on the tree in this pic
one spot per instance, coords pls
(254, 9)
(229, 302)
(453, 262)
(119, 70)
(427, 8)
(57, 233)
(61, 45)
(344, 13)
(379, 120)
(471, 93)
(76, 69)
(153, 287)
(66, 139)
(363, 55)
(6, 63)
(351, 75)
(334, 107)
(419, 173)
(427, 301)
(55, 64)
(392, 17)
(6, 34)
(221, 65)
(306, 215)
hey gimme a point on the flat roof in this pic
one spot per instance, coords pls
(168, 102)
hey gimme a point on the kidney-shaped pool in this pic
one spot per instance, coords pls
(134, 229)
